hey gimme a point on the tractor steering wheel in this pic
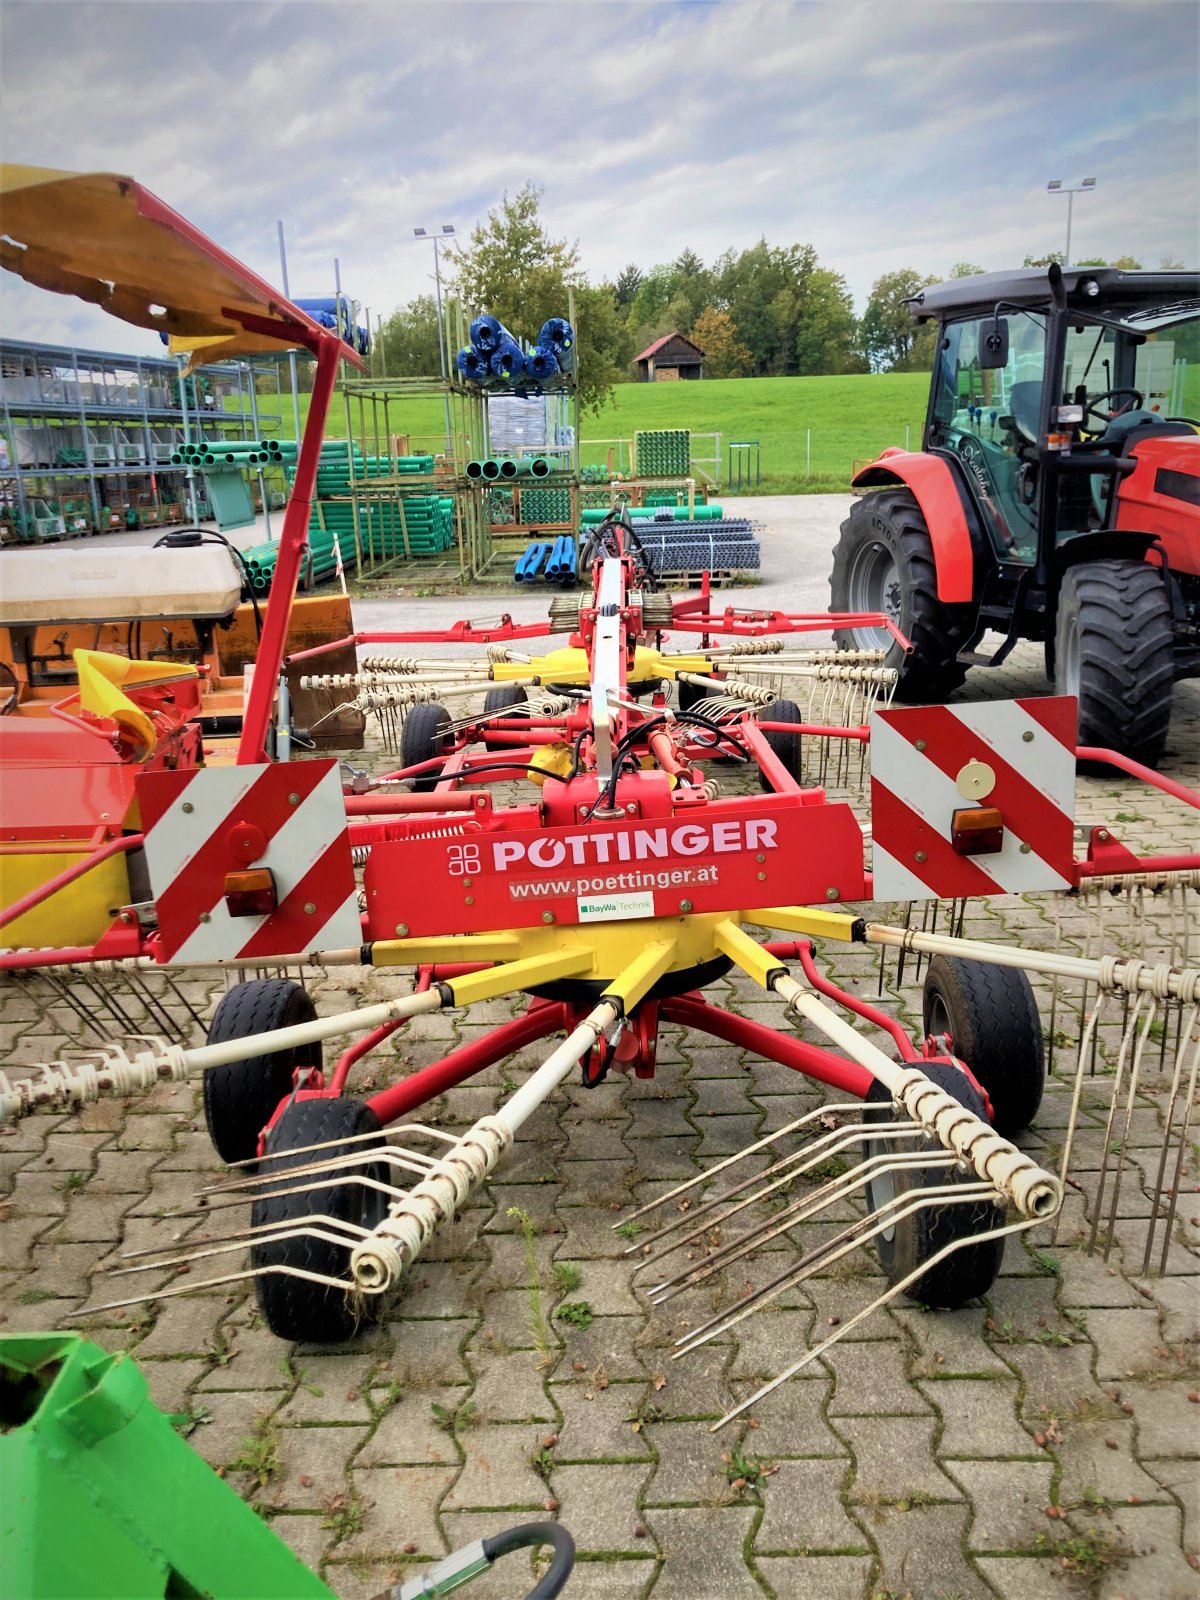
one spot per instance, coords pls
(1106, 417)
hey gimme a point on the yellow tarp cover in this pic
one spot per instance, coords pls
(101, 677)
(106, 239)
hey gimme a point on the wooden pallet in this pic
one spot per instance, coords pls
(718, 577)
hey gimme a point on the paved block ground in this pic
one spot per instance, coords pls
(1043, 1443)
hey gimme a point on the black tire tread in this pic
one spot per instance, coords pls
(1126, 655)
(937, 631)
(240, 1097)
(787, 746)
(293, 1307)
(423, 738)
(996, 1029)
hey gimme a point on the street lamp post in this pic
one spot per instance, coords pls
(423, 233)
(1057, 186)
(446, 231)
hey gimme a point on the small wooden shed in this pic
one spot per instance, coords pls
(670, 358)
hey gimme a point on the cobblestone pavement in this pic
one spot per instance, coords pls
(1039, 1445)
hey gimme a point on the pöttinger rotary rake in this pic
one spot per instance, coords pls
(611, 899)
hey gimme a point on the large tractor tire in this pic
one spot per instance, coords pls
(884, 562)
(1114, 650)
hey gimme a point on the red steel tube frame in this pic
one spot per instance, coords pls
(1113, 758)
(908, 1051)
(293, 540)
(537, 1023)
(847, 1077)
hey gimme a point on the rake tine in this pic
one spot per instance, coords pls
(844, 1328)
(1134, 1073)
(65, 993)
(833, 1190)
(859, 1232)
(1085, 1038)
(271, 1184)
(729, 1161)
(263, 1232)
(1166, 1146)
(1118, 1083)
(781, 1173)
(1177, 1176)
(218, 1283)
(184, 1001)
(256, 1162)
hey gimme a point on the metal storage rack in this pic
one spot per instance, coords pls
(86, 425)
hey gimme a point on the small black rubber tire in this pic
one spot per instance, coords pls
(293, 1307)
(992, 1018)
(1114, 647)
(690, 694)
(500, 699)
(971, 1270)
(892, 518)
(785, 745)
(424, 738)
(241, 1096)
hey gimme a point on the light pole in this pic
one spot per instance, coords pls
(1057, 186)
(447, 230)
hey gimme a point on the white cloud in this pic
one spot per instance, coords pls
(885, 135)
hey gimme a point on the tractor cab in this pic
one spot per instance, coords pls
(1056, 496)
(1076, 380)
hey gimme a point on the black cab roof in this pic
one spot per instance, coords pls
(1146, 299)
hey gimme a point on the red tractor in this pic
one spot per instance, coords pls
(1056, 497)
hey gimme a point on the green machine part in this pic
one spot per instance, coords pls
(99, 1495)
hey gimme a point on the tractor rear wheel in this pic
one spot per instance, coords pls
(297, 1308)
(424, 738)
(241, 1096)
(884, 562)
(910, 1241)
(1114, 650)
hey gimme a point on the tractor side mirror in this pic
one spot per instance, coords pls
(993, 347)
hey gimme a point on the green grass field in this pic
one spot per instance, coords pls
(811, 431)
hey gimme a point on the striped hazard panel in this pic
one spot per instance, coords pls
(930, 762)
(288, 818)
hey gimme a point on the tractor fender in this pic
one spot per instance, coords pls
(937, 492)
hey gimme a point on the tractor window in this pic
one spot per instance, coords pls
(989, 419)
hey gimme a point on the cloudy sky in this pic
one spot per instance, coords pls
(885, 134)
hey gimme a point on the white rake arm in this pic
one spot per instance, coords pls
(379, 1260)
(1109, 972)
(754, 693)
(76, 1083)
(1034, 1192)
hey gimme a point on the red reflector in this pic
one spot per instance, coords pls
(978, 831)
(250, 893)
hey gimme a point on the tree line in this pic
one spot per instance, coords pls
(766, 311)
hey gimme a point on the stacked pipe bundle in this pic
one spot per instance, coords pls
(409, 525)
(721, 545)
(545, 505)
(494, 469)
(555, 561)
(495, 359)
(656, 514)
(663, 452)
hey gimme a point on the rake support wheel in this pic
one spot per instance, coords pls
(785, 745)
(971, 1270)
(296, 1308)
(992, 1019)
(241, 1096)
(424, 738)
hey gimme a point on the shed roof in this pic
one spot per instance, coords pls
(653, 349)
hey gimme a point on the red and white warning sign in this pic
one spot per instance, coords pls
(281, 827)
(1004, 768)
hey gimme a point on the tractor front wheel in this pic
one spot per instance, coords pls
(297, 1222)
(884, 562)
(1114, 651)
